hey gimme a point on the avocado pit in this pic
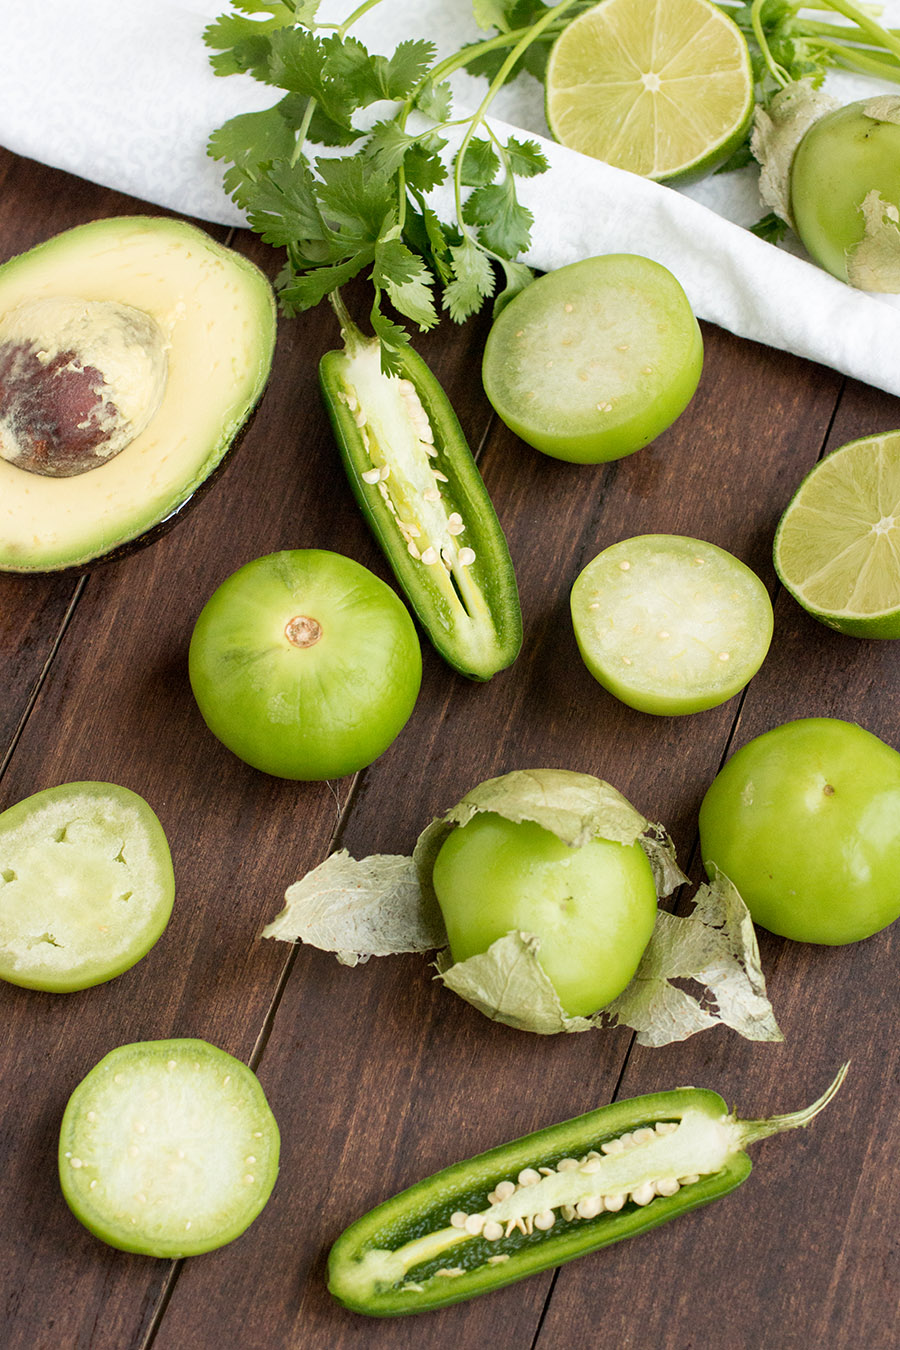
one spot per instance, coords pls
(79, 380)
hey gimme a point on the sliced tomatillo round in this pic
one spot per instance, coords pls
(86, 885)
(593, 361)
(549, 1197)
(168, 1148)
(670, 624)
(419, 488)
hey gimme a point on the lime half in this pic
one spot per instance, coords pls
(661, 87)
(837, 547)
(670, 624)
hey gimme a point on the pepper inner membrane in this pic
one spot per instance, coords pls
(486, 1226)
(407, 469)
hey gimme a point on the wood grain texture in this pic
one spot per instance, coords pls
(377, 1075)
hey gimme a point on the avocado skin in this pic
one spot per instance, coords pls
(247, 292)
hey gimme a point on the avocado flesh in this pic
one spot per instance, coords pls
(216, 313)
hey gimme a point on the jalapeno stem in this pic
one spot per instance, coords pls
(751, 1130)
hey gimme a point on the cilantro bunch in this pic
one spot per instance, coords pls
(337, 216)
(368, 210)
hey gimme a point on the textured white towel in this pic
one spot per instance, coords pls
(120, 92)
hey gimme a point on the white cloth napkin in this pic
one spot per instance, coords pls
(120, 92)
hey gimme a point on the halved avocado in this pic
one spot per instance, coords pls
(132, 352)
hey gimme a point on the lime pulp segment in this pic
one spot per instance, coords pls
(837, 547)
(660, 87)
(670, 624)
(168, 1148)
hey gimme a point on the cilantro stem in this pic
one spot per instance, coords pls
(842, 32)
(778, 73)
(351, 335)
(357, 14)
(882, 37)
(302, 131)
(853, 58)
(531, 34)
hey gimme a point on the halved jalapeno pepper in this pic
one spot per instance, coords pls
(420, 490)
(546, 1198)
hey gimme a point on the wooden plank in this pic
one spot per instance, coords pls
(378, 1075)
(805, 1253)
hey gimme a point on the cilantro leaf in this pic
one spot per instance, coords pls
(423, 165)
(738, 159)
(491, 14)
(387, 146)
(302, 63)
(434, 100)
(305, 290)
(252, 142)
(392, 336)
(243, 46)
(480, 164)
(428, 236)
(283, 207)
(383, 77)
(517, 275)
(290, 11)
(525, 158)
(325, 130)
(473, 280)
(354, 197)
(406, 279)
(418, 154)
(504, 224)
(771, 228)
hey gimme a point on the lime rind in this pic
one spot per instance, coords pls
(837, 546)
(661, 89)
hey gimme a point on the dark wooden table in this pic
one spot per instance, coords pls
(379, 1076)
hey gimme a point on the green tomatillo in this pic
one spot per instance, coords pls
(593, 908)
(305, 664)
(805, 821)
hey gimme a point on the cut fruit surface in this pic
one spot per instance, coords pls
(663, 88)
(86, 885)
(670, 624)
(593, 361)
(168, 1148)
(837, 547)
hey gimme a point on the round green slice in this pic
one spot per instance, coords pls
(663, 88)
(837, 547)
(168, 1148)
(593, 361)
(670, 624)
(86, 885)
